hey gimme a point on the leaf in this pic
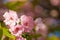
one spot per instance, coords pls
(36, 35)
(2, 24)
(14, 5)
(6, 32)
(1, 34)
(27, 36)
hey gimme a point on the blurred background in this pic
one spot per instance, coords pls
(47, 10)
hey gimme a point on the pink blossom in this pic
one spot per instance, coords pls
(38, 20)
(10, 18)
(9, 23)
(30, 13)
(20, 38)
(17, 30)
(40, 27)
(2, 11)
(54, 2)
(39, 24)
(28, 22)
(38, 10)
(10, 14)
(27, 6)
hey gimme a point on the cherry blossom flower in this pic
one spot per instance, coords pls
(2, 11)
(10, 18)
(10, 14)
(28, 22)
(54, 2)
(38, 20)
(30, 13)
(17, 30)
(40, 27)
(39, 24)
(20, 38)
(38, 10)
(27, 6)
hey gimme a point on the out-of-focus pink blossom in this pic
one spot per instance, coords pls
(38, 10)
(10, 18)
(27, 6)
(30, 13)
(2, 11)
(28, 22)
(54, 2)
(20, 38)
(17, 30)
(38, 20)
(28, 9)
(40, 27)
(39, 24)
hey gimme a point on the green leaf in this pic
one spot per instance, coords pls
(14, 5)
(27, 36)
(36, 35)
(1, 34)
(6, 33)
(2, 24)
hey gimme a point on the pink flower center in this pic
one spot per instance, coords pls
(26, 24)
(11, 18)
(16, 30)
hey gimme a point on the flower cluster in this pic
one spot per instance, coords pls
(17, 26)
(23, 24)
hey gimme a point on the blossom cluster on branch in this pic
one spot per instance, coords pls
(23, 24)
(16, 25)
